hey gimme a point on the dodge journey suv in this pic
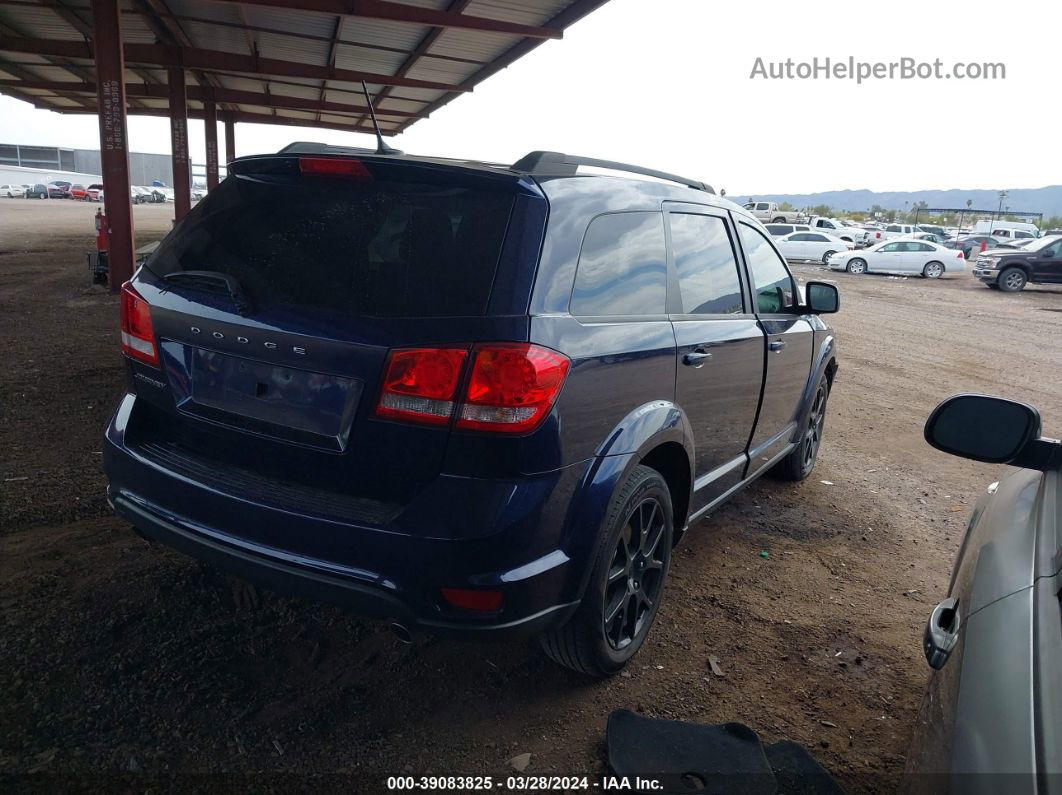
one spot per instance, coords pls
(469, 398)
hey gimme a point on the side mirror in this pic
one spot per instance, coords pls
(984, 428)
(822, 298)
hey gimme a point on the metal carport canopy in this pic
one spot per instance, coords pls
(288, 62)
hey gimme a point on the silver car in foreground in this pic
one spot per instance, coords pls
(991, 720)
(907, 257)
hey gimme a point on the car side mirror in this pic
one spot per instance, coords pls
(993, 430)
(822, 298)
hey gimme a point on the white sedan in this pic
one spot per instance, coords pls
(811, 246)
(12, 191)
(902, 257)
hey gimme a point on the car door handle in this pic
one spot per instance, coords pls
(776, 345)
(696, 358)
(942, 632)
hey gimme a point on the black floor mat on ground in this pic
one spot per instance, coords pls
(728, 758)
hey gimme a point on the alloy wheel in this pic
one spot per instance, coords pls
(1013, 281)
(816, 420)
(635, 576)
(934, 270)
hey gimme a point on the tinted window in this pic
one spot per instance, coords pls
(770, 278)
(799, 238)
(817, 238)
(892, 228)
(707, 268)
(762, 206)
(380, 248)
(890, 247)
(779, 229)
(622, 268)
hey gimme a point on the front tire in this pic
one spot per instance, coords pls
(626, 584)
(1012, 280)
(826, 257)
(801, 461)
(857, 266)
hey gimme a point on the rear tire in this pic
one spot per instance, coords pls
(801, 461)
(1012, 280)
(933, 270)
(826, 257)
(626, 583)
(778, 221)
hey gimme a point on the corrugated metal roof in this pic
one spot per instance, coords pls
(298, 64)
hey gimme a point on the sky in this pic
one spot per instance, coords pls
(669, 84)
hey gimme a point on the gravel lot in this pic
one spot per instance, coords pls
(119, 658)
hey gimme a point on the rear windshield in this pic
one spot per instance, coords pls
(383, 249)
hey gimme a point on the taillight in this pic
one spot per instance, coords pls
(138, 335)
(334, 167)
(420, 384)
(961, 255)
(512, 387)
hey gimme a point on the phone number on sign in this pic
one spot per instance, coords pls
(474, 783)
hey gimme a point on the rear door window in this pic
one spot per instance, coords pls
(382, 249)
(772, 285)
(706, 264)
(622, 267)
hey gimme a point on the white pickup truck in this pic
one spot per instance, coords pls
(769, 213)
(831, 226)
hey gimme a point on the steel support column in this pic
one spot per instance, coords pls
(210, 122)
(182, 173)
(230, 141)
(114, 139)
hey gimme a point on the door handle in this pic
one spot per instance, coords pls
(696, 358)
(942, 632)
(776, 345)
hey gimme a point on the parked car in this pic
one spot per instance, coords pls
(79, 192)
(902, 257)
(992, 713)
(933, 229)
(37, 191)
(93, 192)
(1009, 270)
(59, 190)
(969, 245)
(832, 226)
(140, 195)
(162, 194)
(875, 234)
(932, 237)
(778, 230)
(1006, 229)
(12, 191)
(811, 246)
(769, 211)
(893, 231)
(495, 414)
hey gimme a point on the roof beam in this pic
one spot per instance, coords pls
(243, 117)
(213, 60)
(200, 94)
(565, 18)
(415, 15)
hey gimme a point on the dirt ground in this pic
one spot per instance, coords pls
(119, 658)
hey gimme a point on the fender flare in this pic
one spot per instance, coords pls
(641, 431)
(825, 359)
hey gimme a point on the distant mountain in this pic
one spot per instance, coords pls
(1035, 200)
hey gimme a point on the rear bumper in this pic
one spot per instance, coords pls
(375, 572)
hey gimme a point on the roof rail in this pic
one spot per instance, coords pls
(557, 164)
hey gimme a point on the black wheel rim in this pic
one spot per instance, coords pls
(635, 575)
(813, 436)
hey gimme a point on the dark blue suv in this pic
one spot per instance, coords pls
(470, 398)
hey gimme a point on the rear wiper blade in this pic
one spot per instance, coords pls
(236, 292)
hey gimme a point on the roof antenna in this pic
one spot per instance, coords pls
(381, 147)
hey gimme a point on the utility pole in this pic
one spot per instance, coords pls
(999, 212)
